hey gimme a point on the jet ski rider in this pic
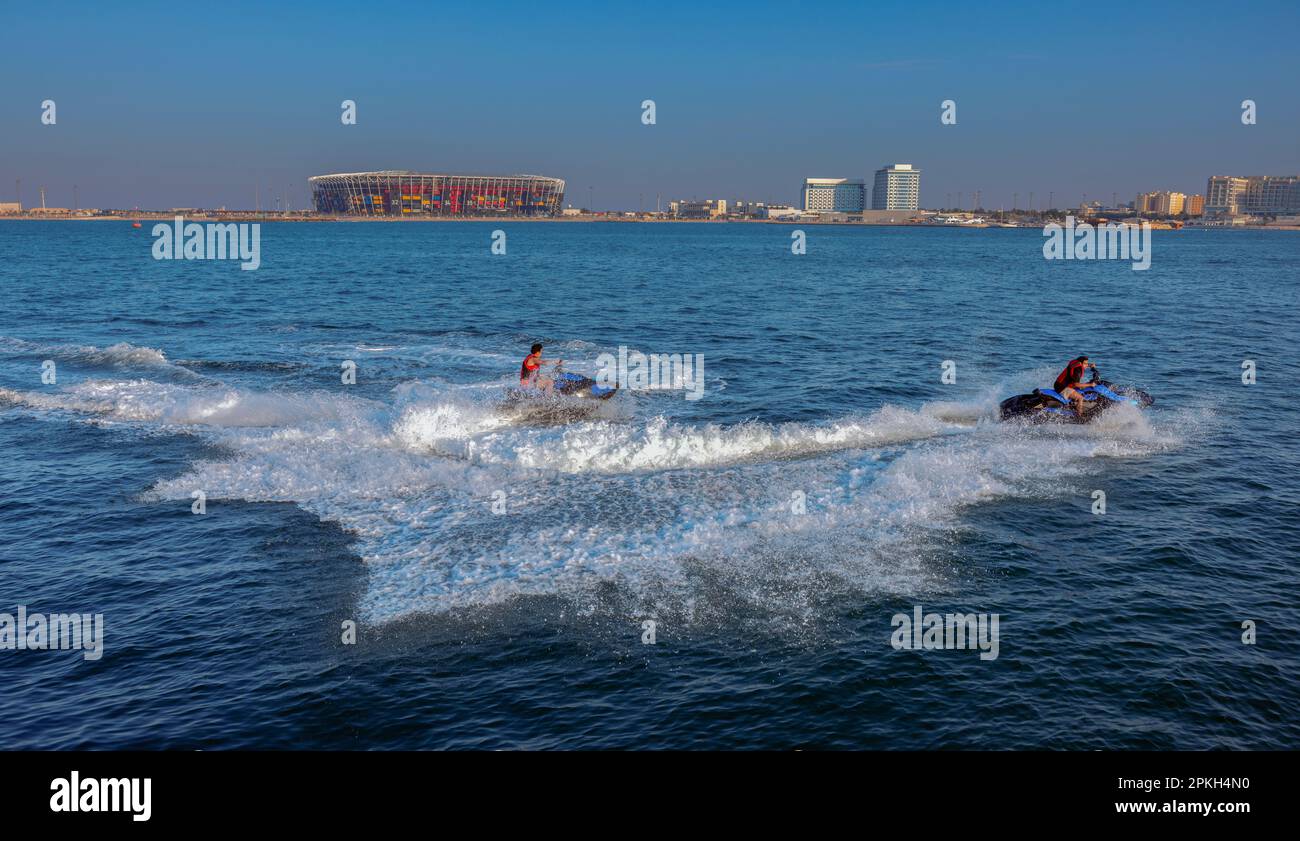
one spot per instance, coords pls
(1070, 381)
(530, 372)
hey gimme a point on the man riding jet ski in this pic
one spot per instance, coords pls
(533, 385)
(1071, 400)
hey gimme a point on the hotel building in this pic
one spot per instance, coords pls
(897, 187)
(835, 195)
(1252, 195)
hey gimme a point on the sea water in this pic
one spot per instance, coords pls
(648, 571)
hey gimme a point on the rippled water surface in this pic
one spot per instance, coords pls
(827, 480)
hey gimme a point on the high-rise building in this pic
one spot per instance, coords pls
(836, 195)
(897, 187)
(1195, 205)
(1255, 194)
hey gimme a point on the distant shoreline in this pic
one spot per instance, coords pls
(253, 217)
(154, 217)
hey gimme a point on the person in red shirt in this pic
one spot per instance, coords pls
(530, 372)
(1070, 381)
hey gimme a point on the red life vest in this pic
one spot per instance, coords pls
(1072, 374)
(528, 369)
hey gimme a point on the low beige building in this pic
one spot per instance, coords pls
(1160, 203)
(707, 209)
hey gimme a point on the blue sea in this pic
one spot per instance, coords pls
(500, 564)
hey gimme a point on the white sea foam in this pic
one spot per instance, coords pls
(177, 405)
(677, 513)
(654, 444)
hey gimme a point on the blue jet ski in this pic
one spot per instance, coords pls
(576, 385)
(567, 385)
(1044, 404)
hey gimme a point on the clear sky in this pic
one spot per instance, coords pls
(193, 104)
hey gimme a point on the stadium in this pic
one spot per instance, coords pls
(405, 193)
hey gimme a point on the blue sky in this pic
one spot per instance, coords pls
(174, 104)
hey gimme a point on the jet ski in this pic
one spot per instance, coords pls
(1046, 405)
(572, 398)
(566, 385)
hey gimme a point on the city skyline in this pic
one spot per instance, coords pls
(1146, 201)
(149, 115)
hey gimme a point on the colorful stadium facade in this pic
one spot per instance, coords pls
(403, 193)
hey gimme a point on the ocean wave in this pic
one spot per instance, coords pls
(120, 355)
